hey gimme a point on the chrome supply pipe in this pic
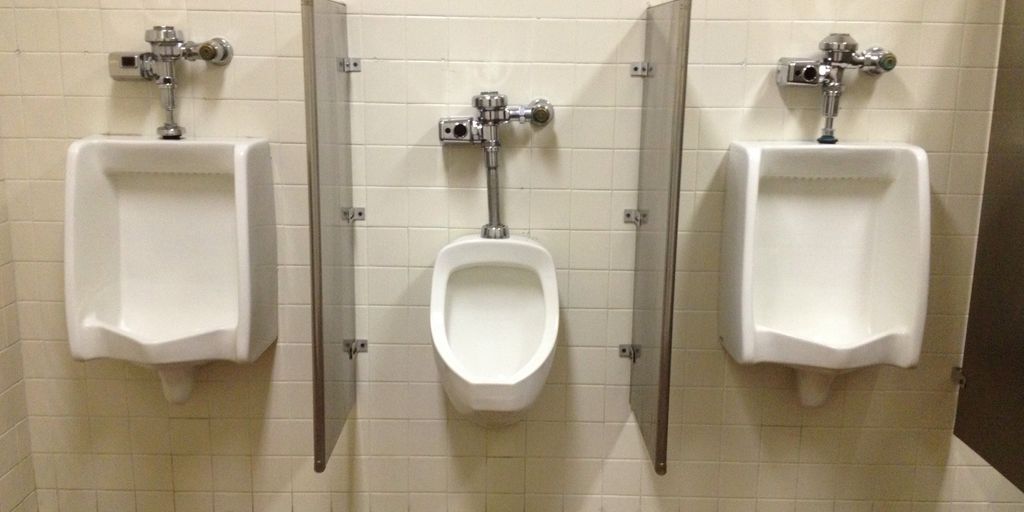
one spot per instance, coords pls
(494, 228)
(167, 82)
(832, 89)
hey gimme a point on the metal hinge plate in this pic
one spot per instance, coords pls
(353, 214)
(958, 377)
(640, 69)
(350, 65)
(354, 347)
(631, 352)
(635, 217)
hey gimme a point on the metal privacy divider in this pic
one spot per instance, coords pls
(657, 219)
(328, 148)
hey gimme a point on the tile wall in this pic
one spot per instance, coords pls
(17, 481)
(104, 439)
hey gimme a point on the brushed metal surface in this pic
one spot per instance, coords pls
(328, 151)
(661, 150)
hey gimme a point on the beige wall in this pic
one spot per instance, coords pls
(103, 438)
(17, 482)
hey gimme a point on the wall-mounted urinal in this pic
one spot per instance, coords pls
(825, 256)
(494, 320)
(494, 298)
(170, 253)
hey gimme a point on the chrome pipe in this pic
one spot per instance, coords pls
(830, 110)
(494, 228)
(167, 83)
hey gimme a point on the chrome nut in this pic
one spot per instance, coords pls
(163, 34)
(490, 100)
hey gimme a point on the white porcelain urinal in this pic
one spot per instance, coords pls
(494, 320)
(170, 253)
(825, 256)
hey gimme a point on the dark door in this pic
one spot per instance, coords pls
(990, 413)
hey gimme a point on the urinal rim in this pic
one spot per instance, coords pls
(443, 270)
(75, 312)
(745, 348)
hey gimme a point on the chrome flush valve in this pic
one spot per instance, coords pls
(167, 46)
(839, 52)
(494, 111)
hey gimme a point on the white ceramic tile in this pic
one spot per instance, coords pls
(728, 9)
(598, 41)
(952, 11)
(9, 34)
(426, 38)
(979, 41)
(984, 11)
(37, 30)
(553, 40)
(944, 42)
(976, 89)
(724, 42)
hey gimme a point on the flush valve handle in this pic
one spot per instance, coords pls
(216, 51)
(541, 111)
(878, 60)
(538, 112)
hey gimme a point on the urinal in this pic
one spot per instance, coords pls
(825, 255)
(170, 253)
(494, 320)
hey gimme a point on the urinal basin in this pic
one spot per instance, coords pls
(170, 253)
(825, 257)
(494, 320)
